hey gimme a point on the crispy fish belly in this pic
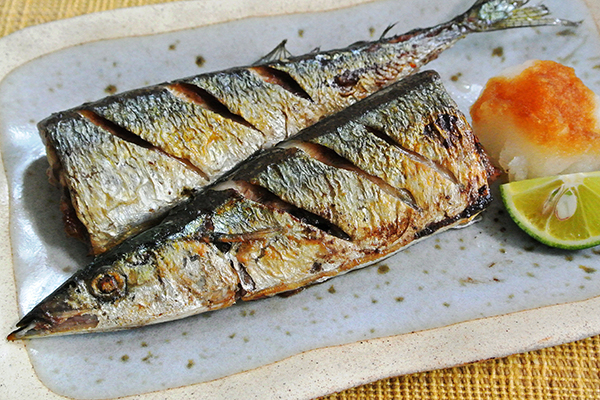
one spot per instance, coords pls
(348, 191)
(124, 161)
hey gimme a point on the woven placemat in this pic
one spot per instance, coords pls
(570, 371)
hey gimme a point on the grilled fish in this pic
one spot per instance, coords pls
(351, 189)
(124, 161)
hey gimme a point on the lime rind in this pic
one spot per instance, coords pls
(537, 207)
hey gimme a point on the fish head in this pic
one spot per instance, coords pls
(128, 288)
(77, 306)
(100, 297)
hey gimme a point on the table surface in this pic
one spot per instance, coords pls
(569, 371)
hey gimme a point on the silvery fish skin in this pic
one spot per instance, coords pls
(346, 192)
(124, 161)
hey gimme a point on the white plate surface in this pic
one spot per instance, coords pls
(486, 270)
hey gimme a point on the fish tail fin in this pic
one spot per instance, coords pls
(491, 15)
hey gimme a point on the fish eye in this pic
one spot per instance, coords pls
(109, 285)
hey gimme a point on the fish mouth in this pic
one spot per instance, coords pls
(39, 323)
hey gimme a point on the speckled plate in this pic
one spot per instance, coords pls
(464, 295)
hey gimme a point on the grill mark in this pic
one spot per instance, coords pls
(413, 155)
(316, 267)
(131, 137)
(444, 123)
(329, 157)
(263, 196)
(201, 97)
(349, 78)
(115, 129)
(447, 122)
(282, 79)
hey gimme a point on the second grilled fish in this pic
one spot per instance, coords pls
(348, 191)
(124, 161)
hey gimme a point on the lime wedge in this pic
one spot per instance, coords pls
(560, 211)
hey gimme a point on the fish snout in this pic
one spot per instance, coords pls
(53, 317)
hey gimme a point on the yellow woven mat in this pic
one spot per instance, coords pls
(570, 371)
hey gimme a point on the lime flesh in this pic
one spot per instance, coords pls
(560, 211)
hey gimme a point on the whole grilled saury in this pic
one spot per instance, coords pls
(127, 159)
(345, 192)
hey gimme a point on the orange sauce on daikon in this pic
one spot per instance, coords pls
(548, 102)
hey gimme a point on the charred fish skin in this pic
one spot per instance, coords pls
(346, 192)
(194, 130)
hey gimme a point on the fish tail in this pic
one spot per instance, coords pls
(492, 15)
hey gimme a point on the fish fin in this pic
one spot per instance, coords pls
(491, 15)
(291, 293)
(279, 53)
(386, 30)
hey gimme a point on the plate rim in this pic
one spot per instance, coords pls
(316, 372)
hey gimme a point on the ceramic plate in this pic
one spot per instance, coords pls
(483, 291)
